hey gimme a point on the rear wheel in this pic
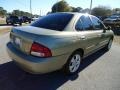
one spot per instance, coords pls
(108, 46)
(73, 64)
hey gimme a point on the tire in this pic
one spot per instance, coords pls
(29, 21)
(73, 64)
(20, 24)
(7, 23)
(108, 46)
(12, 23)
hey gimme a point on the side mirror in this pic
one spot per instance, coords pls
(109, 28)
(106, 28)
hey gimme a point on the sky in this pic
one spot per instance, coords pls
(43, 6)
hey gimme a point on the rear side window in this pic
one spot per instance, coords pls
(56, 21)
(86, 22)
(97, 23)
(78, 25)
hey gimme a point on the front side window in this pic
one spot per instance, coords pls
(56, 21)
(86, 22)
(97, 23)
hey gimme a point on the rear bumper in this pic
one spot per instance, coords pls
(36, 65)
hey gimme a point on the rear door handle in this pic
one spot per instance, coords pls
(99, 35)
(83, 37)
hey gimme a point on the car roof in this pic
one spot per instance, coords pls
(75, 13)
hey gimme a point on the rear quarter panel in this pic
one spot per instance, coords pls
(60, 44)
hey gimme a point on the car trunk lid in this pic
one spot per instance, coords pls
(23, 37)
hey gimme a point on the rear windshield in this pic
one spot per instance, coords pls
(56, 21)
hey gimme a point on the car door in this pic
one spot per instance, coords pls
(99, 29)
(88, 38)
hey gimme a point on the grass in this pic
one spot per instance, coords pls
(2, 21)
(5, 30)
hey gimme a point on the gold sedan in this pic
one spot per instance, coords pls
(58, 41)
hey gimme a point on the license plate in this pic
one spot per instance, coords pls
(18, 42)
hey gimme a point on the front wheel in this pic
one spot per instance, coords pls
(73, 64)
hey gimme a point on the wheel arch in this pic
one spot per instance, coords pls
(65, 67)
(112, 37)
(78, 50)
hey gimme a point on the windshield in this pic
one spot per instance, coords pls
(114, 17)
(56, 21)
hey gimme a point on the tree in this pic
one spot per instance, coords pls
(86, 10)
(16, 13)
(101, 11)
(77, 9)
(116, 11)
(61, 6)
(2, 12)
(20, 13)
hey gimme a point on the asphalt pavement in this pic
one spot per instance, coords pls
(100, 71)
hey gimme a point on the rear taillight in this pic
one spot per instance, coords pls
(40, 50)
